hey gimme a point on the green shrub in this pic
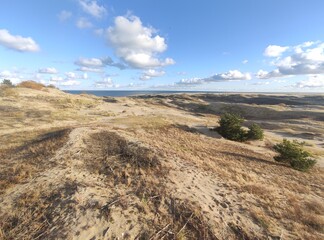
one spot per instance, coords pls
(7, 82)
(255, 132)
(230, 127)
(292, 152)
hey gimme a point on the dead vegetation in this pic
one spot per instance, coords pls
(140, 170)
(149, 173)
(32, 85)
(23, 162)
(35, 213)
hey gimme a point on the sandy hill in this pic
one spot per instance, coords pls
(148, 167)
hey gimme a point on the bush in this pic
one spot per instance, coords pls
(31, 84)
(230, 127)
(51, 86)
(292, 152)
(7, 82)
(255, 132)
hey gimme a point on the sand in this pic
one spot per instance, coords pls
(148, 167)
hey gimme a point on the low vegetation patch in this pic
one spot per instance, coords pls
(35, 212)
(7, 82)
(31, 84)
(24, 162)
(293, 153)
(230, 127)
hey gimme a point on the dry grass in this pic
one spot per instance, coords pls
(139, 169)
(130, 172)
(35, 213)
(31, 84)
(23, 162)
(6, 91)
(242, 169)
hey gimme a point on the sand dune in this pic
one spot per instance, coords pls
(147, 167)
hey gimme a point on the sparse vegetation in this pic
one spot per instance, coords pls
(230, 127)
(7, 83)
(149, 173)
(31, 84)
(292, 152)
(255, 132)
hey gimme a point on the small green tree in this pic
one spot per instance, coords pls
(230, 127)
(7, 82)
(255, 132)
(292, 152)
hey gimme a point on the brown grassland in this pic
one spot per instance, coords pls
(148, 167)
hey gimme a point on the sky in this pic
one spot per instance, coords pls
(205, 45)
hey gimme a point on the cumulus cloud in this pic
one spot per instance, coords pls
(92, 8)
(190, 81)
(70, 83)
(261, 83)
(64, 15)
(83, 23)
(274, 50)
(135, 44)
(48, 70)
(151, 73)
(89, 69)
(232, 75)
(56, 79)
(306, 58)
(70, 75)
(315, 81)
(97, 64)
(106, 82)
(18, 43)
(68, 79)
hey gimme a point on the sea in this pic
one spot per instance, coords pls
(126, 93)
(119, 93)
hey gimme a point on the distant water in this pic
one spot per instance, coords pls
(129, 93)
(121, 93)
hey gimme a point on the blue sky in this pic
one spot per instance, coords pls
(245, 45)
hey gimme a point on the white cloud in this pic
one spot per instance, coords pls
(12, 76)
(18, 43)
(70, 83)
(56, 79)
(316, 81)
(97, 64)
(190, 81)
(48, 70)
(261, 83)
(307, 58)
(83, 23)
(274, 51)
(64, 15)
(91, 7)
(69, 78)
(88, 69)
(245, 61)
(106, 82)
(232, 75)
(136, 44)
(70, 75)
(151, 73)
